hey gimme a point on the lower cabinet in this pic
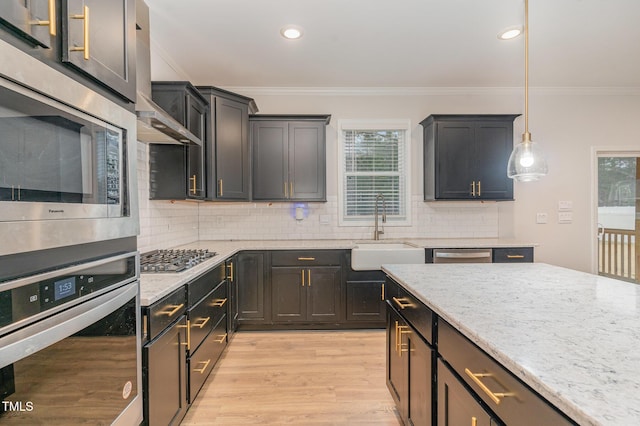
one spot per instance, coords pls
(251, 285)
(365, 301)
(456, 406)
(409, 371)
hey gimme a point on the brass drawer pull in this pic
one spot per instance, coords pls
(85, 33)
(230, 266)
(51, 22)
(223, 337)
(193, 179)
(473, 188)
(202, 322)
(515, 256)
(219, 302)
(495, 396)
(173, 310)
(307, 258)
(202, 370)
(382, 291)
(302, 276)
(309, 277)
(403, 302)
(220, 191)
(479, 189)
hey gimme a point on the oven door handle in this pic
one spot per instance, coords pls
(31, 339)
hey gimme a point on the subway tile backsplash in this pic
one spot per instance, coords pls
(165, 224)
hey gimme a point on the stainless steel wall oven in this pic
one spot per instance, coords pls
(67, 160)
(70, 345)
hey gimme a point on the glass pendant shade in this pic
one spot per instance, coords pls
(526, 162)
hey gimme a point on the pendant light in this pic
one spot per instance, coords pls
(526, 162)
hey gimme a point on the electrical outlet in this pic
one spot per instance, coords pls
(542, 217)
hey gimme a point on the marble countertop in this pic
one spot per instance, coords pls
(573, 337)
(155, 286)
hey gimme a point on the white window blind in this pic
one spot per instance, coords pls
(374, 162)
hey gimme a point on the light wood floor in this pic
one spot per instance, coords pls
(298, 378)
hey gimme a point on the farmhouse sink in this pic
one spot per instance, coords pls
(372, 255)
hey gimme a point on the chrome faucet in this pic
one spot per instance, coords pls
(376, 231)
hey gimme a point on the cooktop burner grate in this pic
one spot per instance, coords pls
(167, 261)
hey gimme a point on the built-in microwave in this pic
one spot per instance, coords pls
(67, 160)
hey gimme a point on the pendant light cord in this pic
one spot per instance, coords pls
(526, 135)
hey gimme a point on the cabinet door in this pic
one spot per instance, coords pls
(454, 159)
(34, 20)
(167, 169)
(456, 406)
(493, 144)
(397, 368)
(270, 160)
(196, 113)
(250, 277)
(98, 38)
(307, 162)
(164, 376)
(231, 149)
(365, 301)
(323, 293)
(419, 410)
(289, 294)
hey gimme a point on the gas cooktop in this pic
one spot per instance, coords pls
(163, 261)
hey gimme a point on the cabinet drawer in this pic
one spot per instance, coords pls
(414, 311)
(306, 257)
(521, 405)
(204, 359)
(165, 311)
(513, 254)
(202, 285)
(206, 314)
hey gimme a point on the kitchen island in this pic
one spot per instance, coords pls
(572, 337)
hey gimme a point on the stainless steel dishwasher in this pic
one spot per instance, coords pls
(462, 255)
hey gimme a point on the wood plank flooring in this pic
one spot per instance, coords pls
(298, 378)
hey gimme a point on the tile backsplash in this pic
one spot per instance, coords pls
(165, 224)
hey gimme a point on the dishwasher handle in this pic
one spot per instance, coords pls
(462, 256)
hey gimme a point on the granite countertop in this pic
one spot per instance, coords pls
(573, 337)
(155, 286)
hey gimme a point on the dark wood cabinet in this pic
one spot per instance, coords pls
(252, 286)
(466, 156)
(456, 406)
(232, 289)
(365, 301)
(176, 171)
(227, 146)
(92, 41)
(164, 372)
(289, 157)
(98, 38)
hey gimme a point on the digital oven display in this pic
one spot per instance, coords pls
(64, 288)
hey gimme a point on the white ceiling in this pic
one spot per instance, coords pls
(398, 43)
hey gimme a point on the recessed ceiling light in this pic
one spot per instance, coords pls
(510, 32)
(291, 32)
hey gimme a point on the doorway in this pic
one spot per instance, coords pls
(618, 214)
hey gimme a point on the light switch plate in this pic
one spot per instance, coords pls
(565, 217)
(565, 205)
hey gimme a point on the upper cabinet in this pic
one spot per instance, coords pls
(94, 39)
(177, 171)
(227, 144)
(289, 157)
(466, 156)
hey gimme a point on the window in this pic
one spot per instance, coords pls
(374, 160)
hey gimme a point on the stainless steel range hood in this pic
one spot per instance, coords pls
(154, 124)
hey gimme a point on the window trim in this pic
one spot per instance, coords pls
(373, 124)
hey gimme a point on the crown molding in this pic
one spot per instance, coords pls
(431, 91)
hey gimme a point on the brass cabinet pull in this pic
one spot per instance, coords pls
(193, 181)
(515, 256)
(219, 302)
(51, 22)
(85, 31)
(474, 421)
(473, 188)
(402, 329)
(188, 327)
(291, 189)
(230, 266)
(382, 291)
(286, 193)
(307, 258)
(222, 338)
(202, 370)
(495, 396)
(309, 277)
(479, 189)
(403, 302)
(302, 276)
(172, 311)
(202, 322)
(220, 188)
